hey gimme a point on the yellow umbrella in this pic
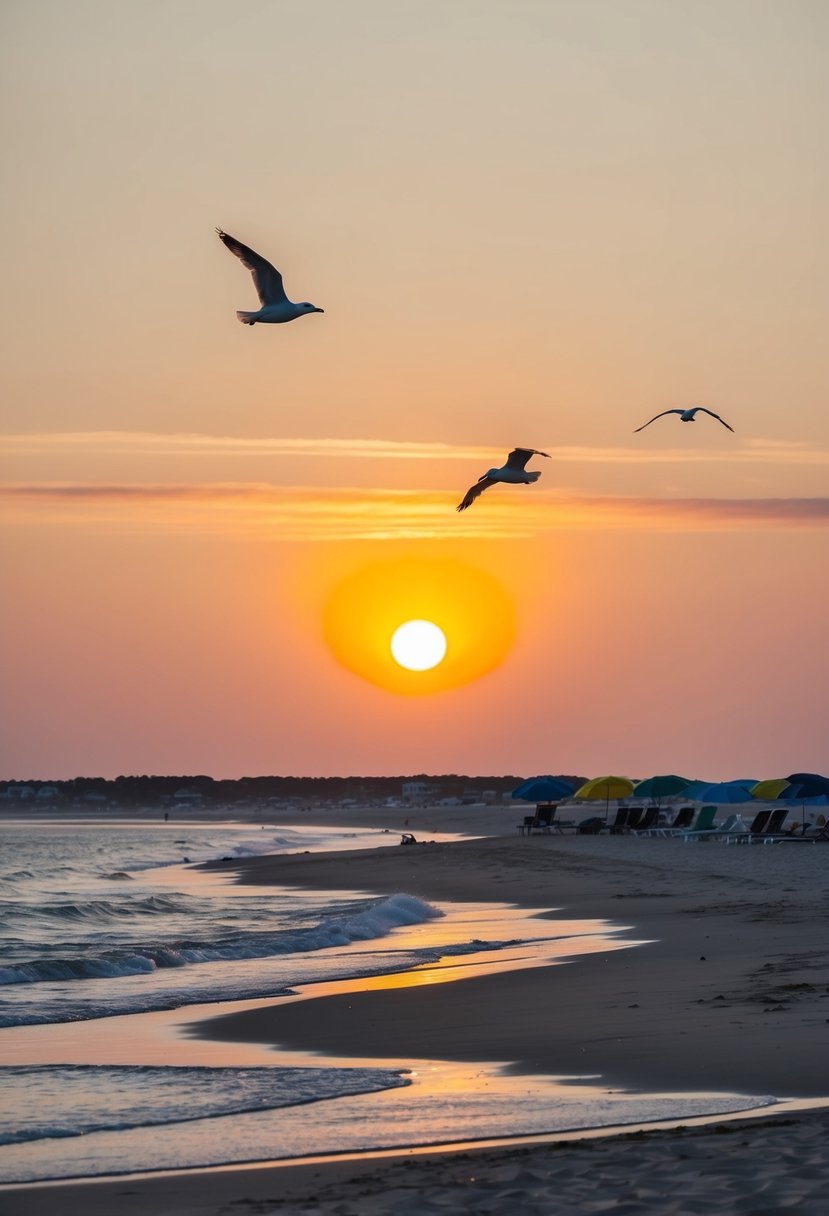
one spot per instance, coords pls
(606, 788)
(770, 790)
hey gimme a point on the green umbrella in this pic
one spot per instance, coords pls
(661, 787)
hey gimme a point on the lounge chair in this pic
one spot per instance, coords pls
(766, 827)
(541, 821)
(635, 814)
(759, 822)
(776, 821)
(773, 830)
(684, 818)
(703, 825)
(544, 816)
(681, 822)
(620, 823)
(647, 823)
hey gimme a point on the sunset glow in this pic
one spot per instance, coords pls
(440, 604)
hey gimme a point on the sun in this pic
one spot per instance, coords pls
(416, 626)
(418, 645)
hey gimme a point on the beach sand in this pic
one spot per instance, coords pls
(730, 993)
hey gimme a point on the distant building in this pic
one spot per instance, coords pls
(419, 791)
(48, 792)
(185, 796)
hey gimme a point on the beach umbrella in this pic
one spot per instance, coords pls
(771, 789)
(803, 788)
(605, 788)
(810, 785)
(724, 791)
(661, 787)
(693, 788)
(544, 789)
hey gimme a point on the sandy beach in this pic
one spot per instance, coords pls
(729, 993)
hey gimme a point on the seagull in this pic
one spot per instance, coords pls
(512, 472)
(685, 416)
(276, 307)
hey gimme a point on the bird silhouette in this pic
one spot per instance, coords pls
(512, 472)
(685, 416)
(276, 307)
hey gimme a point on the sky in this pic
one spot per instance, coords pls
(533, 223)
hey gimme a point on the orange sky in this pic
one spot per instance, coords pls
(535, 223)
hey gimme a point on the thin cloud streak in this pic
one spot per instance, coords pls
(262, 510)
(146, 443)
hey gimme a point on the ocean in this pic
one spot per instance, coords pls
(112, 942)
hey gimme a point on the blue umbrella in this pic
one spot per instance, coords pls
(544, 789)
(806, 788)
(694, 788)
(661, 787)
(809, 785)
(722, 792)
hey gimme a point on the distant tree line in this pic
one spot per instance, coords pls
(140, 791)
(143, 790)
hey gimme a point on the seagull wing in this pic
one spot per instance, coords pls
(713, 415)
(267, 279)
(483, 483)
(662, 415)
(518, 457)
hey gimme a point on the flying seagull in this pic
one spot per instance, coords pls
(276, 307)
(685, 416)
(512, 472)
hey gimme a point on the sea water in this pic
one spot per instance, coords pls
(105, 925)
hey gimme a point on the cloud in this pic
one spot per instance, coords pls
(261, 510)
(147, 443)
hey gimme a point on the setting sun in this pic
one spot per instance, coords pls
(418, 645)
(417, 626)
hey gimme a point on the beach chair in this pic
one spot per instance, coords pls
(683, 819)
(647, 823)
(776, 821)
(681, 822)
(544, 816)
(773, 831)
(765, 826)
(759, 822)
(526, 825)
(703, 825)
(620, 823)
